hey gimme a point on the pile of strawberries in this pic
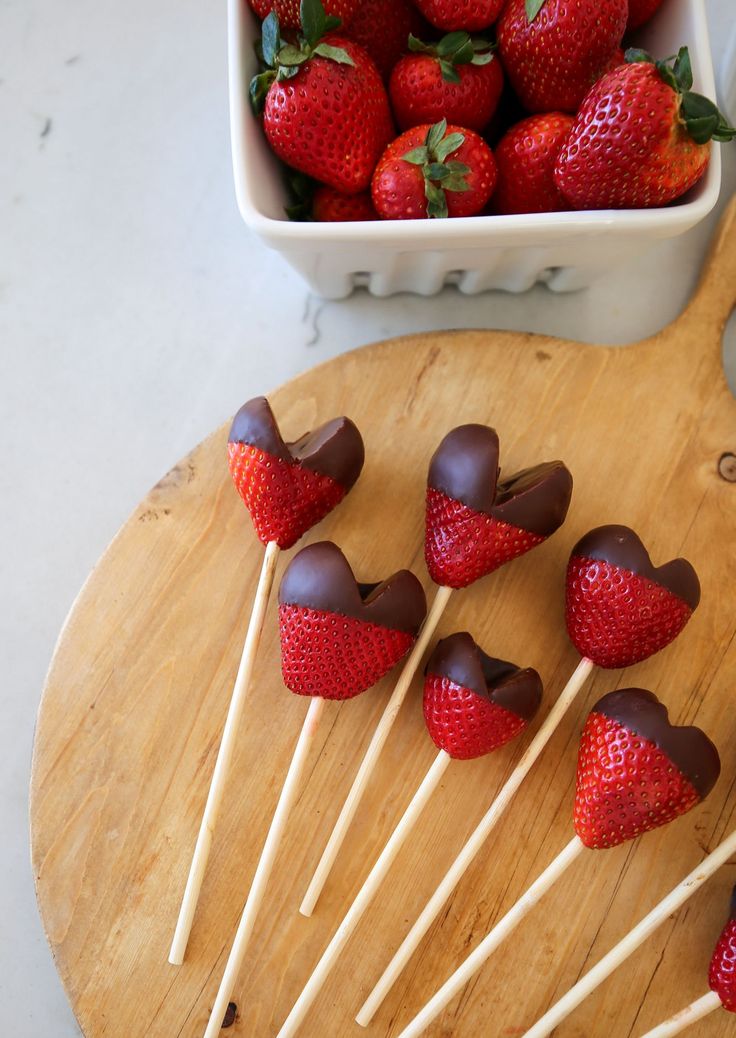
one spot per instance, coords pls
(409, 109)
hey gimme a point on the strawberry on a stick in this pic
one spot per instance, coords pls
(473, 704)
(620, 609)
(475, 523)
(636, 772)
(287, 488)
(338, 637)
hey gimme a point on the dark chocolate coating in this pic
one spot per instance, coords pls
(462, 661)
(335, 449)
(465, 468)
(689, 748)
(620, 546)
(320, 577)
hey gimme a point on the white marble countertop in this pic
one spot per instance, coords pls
(137, 312)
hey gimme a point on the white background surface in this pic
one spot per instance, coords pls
(136, 313)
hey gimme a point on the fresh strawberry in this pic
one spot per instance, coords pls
(473, 703)
(468, 15)
(641, 11)
(641, 137)
(325, 108)
(636, 771)
(457, 78)
(476, 522)
(339, 637)
(619, 608)
(382, 27)
(722, 972)
(331, 206)
(433, 171)
(553, 50)
(288, 487)
(526, 157)
(288, 13)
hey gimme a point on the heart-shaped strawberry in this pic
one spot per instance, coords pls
(476, 522)
(474, 703)
(636, 771)
(722, 972)
(288, 487)
(619, 608)
(338, 637)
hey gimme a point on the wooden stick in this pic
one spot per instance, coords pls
(491, 941)
(625, 947)
(365, 896)
(373, 752)
(473, 845)
(224, 757)
(694, 1012)
(265, 865)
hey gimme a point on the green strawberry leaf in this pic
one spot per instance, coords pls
(634, 55)
(458, 167)
(446, 147)
(417, 156)
(437, 171)
(435, 135)
(436, 201)
(332, 22)
(287, 72)
(270, 39)
(290, 55)
(449, 72)
(703, 120)
(259, 87)
(417, 47)
(326, 50)
(482, 59)
(456, 182)
(683, 70)
(313, 19)
(533, 7)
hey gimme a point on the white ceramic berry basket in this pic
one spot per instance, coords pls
(566, 251)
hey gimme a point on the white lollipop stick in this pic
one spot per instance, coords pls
(224, 757)
(694, 1012)
(265, 865)
(474, 843)
(625, 947)
(365, 896)
(491, 941)
(373, 752)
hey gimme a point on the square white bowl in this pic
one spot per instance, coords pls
(566, 251)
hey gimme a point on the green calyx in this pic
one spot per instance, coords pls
(532, 8)
(456, 48)
(440, 175)
(699, 115)
(282, 60)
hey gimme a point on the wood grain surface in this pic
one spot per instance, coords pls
(138, 688)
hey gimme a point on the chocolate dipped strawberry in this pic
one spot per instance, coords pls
(338, 637)
(473, 703)
(636, 771)
(620, 608)
(722, 971)
(476, 521)
(288, 487)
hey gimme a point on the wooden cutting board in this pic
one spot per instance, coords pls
(138, 687)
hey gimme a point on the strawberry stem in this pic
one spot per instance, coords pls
(439, 175)
(454, 49)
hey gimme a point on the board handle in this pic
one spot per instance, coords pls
(715, 297)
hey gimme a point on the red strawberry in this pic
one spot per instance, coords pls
(470, 15)
(526, 158)
(433, 171)
(457, 79)
(636, 771)
(288, 487)
(339, 637)
(641, 11)
(330, 206)
(640, 139)
(473, 703)
(553, 50)
(722, 972)
(619, 608)
(382, 27)
(476, 523)
(288, 11)
(325, 108)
